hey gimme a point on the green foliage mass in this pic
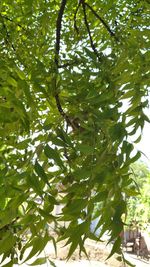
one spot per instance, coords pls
(66, 70)
(139, 206)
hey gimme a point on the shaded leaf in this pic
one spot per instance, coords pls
(40, 171)
(7, 243)
(116, 247)
(53, 154)
(9, 264)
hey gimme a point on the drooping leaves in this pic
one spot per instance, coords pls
(73, 86)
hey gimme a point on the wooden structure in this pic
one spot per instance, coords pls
(136, 242)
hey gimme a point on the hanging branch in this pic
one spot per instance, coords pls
(102, 21)
(60, 109)
(89, 32)
(69, 121)
(58, 35)
(75, 17)
(58, 30)
(57, 50)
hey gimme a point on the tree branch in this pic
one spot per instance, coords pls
(102, 21)
(57, 50)
(75, 17)
(58, 30)
(18, 24)
(89, 32)
(69, 121)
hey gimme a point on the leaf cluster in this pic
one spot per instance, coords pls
(67, 70)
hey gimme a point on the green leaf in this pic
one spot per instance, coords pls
(116, 247)
(82, 173)
(65, 137)
(34, 183)
(138, 139)
(9, 264)
(23, 144)
(72, 247)
(118, 132)
(4, 118)
(128, 94)
(128, 262)
(7, 243)
(100, 196)
(52, 263)
(131, 191)
(90, 53)
(38, 244)
(57, 141)
(12, 81)
(75, 207)
(40, 171)
(135, 158)
(82, 107)
(7, 215)
(76, 238)
(39, 261)
(53, 154)
(85, 149)
(20, 74)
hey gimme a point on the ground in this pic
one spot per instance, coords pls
(97, 253)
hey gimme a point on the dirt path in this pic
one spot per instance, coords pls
(82, 263)
(85, 263)
(97, 252)
(137, 261)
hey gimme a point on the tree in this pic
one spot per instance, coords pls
(67, 68)
(138, 205)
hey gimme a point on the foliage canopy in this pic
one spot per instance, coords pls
(66, 70)
(139, 206)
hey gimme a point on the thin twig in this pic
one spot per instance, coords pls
(67, 64)
(65, 148)
(101, 20)
(75, 17)
(89, 32)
